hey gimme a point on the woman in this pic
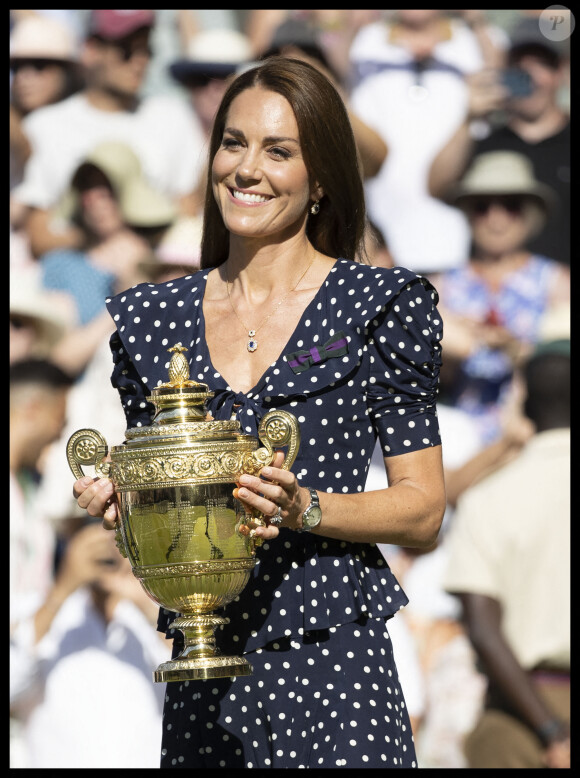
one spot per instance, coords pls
(120, 219)
(495, 305)
(284, 211)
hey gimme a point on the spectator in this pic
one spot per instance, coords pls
(38, 391)
(409, 85)
(39, 319)
(44, 68)
(509, 565)
(334, 29)
(301, 40)
(89, 652)
(212, 56)
(493, 307)
(121, 218)
(532, 123)
(115, 54)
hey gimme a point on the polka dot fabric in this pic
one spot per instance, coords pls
(385, 385)
(330, 699)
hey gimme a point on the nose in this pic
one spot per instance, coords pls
(249, 166)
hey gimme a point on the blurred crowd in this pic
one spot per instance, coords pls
(463, 128)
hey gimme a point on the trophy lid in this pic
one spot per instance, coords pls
(180, 399)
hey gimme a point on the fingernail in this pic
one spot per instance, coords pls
(86, 481)
(267, 470)
(244, 479)
(243, 492)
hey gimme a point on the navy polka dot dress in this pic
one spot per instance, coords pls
(363, 362)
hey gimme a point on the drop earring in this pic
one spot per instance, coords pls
(315, 207)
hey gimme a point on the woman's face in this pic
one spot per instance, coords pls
(37, 83)
(259, 176)
(101, 213)
(500, 224)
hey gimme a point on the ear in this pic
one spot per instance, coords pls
(317, 192)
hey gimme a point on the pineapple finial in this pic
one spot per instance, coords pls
(178, 367)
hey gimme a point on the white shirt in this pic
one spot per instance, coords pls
(416, 118)
(510, 540)
(32, 545)
(94, 703)
(163, 132)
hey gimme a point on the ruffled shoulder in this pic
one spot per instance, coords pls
(151, 318)
(334, 333)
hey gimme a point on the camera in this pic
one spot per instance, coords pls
(518, 82)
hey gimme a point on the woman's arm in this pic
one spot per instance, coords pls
(408, 513)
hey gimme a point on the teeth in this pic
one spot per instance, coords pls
(249, 198)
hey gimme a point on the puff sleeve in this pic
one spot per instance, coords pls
(405, 360)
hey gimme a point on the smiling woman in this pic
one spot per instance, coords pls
(354, 352)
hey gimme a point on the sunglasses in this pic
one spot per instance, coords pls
(34, 64)
(510, 203)
(20, 322)
(127, 48)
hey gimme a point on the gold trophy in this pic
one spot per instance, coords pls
(179, 521)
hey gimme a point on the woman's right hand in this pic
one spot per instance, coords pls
(97, 497)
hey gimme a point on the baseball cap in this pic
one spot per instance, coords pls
(526, 37)
(114, 25)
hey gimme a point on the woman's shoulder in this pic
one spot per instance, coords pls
(161, 294)
(372, 283)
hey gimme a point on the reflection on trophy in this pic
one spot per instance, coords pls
(179, 521)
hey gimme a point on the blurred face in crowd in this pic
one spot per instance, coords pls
(100, 210)
(37, 82)
(547, 79)
(417, 18)
(206, 95)
(120, 66)
(40, 413)
(23, 336)
(502, 224)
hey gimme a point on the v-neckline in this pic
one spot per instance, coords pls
(254, 389)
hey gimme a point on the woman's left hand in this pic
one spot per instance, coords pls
(273, 489)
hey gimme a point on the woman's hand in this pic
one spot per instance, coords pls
(274, 488)
(97, 497)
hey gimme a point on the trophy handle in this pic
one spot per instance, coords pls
(278, 428)
(87, 447)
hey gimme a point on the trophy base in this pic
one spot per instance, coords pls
(200, 668)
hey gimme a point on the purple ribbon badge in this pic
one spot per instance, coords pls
(337, 346)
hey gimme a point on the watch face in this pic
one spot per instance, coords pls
(312, 516)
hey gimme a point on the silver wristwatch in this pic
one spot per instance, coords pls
(313, 513)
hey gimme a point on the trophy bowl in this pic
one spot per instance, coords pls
(184, 533)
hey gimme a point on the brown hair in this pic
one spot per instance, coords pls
(329, 152)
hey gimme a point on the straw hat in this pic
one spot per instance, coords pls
(215, 53)
(141, 205)
(28, 299)
(40, 37)
(503, 173)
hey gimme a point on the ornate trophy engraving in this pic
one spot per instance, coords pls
(179, 521)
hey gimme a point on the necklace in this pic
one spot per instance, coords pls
(252, 344)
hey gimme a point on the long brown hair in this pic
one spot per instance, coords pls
(329, 152)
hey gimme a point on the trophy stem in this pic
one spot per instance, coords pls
(200, 658)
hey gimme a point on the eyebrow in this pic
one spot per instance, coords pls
(267, 139)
